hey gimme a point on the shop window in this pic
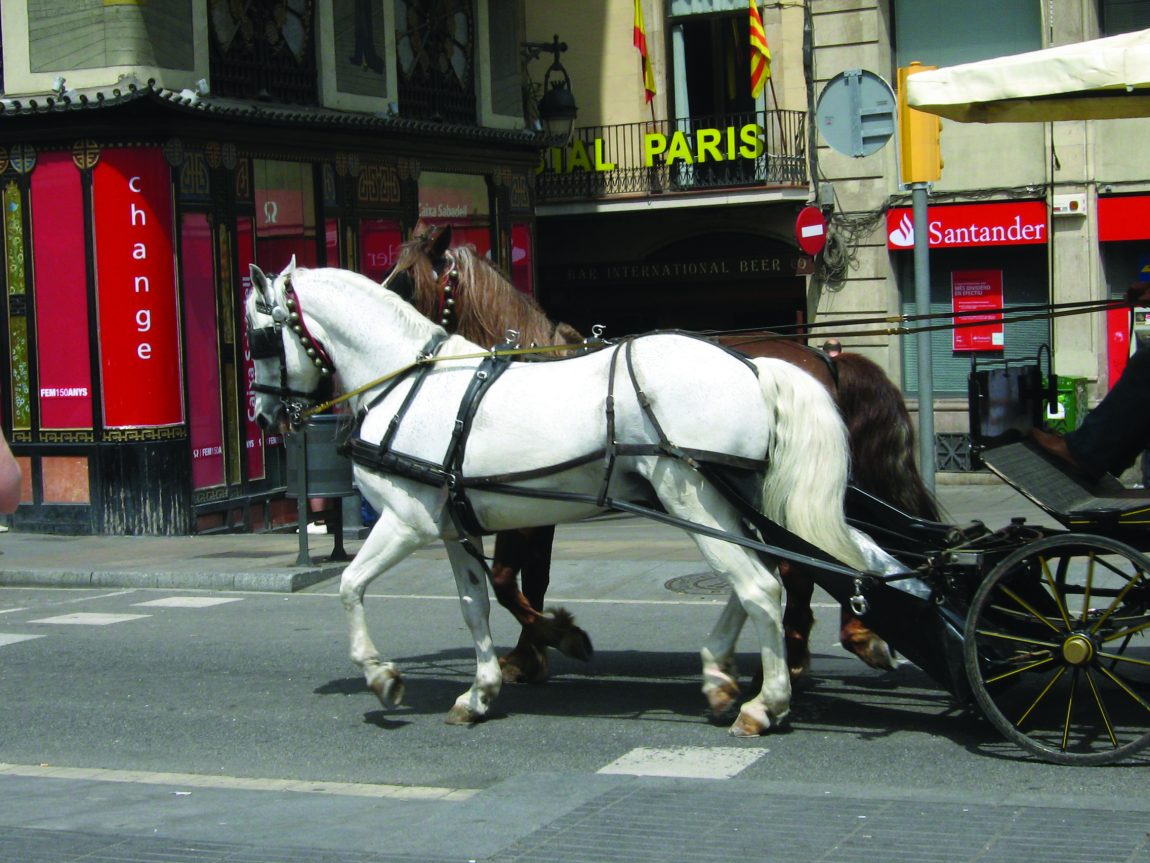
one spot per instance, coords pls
(285, 214)
(522, 259)
(459, 200)
(1024, 282)
(15, 276)
(925, 30)
(501, 82)
(264, 50)
(1123, 16)
(379, 242)
(435, 54)
(206, 421)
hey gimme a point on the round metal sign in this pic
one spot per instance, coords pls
(857, 112)
(811, 230)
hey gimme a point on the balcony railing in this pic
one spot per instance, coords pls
(765, 148)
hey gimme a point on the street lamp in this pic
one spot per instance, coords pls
(556, 107)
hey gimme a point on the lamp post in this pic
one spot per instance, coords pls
(556, 107)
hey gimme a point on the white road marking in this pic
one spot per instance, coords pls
(6, 638)
(188, 601)
(89, 618)
(195, 780)
(689, 762)
(13, 610)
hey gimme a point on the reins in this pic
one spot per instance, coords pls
(426, 359)
(1009, 315)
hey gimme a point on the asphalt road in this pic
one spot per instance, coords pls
(148, 723)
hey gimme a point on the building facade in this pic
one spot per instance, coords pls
(152, 152)
(1030, 213)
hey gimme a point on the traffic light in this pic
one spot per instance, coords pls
(919, 150)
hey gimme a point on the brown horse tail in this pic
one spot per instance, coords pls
(882, 437)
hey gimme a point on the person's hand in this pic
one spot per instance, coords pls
(1138, 294)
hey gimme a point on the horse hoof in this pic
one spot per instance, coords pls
(873, 651)
(461, 714)
(721, 691)
(388, 687)
(525, 665)
(753, 721)
(569, 638)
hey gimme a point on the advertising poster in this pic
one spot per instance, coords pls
(975, 291)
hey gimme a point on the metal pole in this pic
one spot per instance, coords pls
(299, 439)
(925, 365)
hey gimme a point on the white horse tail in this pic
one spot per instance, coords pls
(809, 454)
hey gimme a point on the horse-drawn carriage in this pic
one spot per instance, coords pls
(1047, 630)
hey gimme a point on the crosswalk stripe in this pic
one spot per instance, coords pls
(12, 638)
(88, 618)
(688, 762)
(189, 601)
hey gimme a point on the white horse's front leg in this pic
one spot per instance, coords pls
(471, 582)
(389, 542)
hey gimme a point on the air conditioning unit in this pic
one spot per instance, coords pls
(1068, 205)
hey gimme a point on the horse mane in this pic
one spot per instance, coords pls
(882, 437)
(361, 292)
(487, 305)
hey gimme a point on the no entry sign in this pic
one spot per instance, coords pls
(811, 230)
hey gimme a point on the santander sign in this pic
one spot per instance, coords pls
(953, 226)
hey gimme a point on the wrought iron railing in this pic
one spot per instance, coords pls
(765, 148)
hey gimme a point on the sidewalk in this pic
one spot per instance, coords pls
(268, 562)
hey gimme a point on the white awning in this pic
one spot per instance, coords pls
(1103, 79)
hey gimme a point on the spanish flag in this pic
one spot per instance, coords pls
(640, 40)
(760, 53)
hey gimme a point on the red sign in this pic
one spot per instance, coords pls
(972, 291)
(61, 294)
(136, 290)
(1124, 218)
(206, 420)
(1012, 223)
(811, 230)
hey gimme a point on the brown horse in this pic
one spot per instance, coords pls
(467, 294)
(882, 442)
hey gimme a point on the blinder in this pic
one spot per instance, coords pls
(267, 343)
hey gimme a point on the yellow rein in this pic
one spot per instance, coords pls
(422, 361)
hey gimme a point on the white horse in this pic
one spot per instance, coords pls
(588, 438)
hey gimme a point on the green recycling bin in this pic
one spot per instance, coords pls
(1072, 406)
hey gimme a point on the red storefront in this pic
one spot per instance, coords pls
(129, 226)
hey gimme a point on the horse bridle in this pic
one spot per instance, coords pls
(267, 343)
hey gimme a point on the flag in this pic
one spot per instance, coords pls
(640, 40)
(760, 53)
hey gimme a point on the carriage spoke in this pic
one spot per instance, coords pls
(1027, 607)
(1021, 669)
(1120, 657)
(1041, 695)
(1055, 593)
(1069, 711)
(988, 633)
(1089, 586)
(1121, 684)
(1126, 633)
(1117, 602)
(1102, 712)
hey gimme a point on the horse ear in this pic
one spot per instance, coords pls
(259, 280)
(290, 267)
(441, 243)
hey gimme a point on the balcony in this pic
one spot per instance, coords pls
(730, 151)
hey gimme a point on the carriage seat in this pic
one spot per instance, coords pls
(1066, 493)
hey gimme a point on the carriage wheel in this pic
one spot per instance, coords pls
(1057, 648)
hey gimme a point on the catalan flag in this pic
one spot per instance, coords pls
(760, 53)
(640, 40)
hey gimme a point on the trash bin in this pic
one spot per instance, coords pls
(1072, 405)
(328, 472)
